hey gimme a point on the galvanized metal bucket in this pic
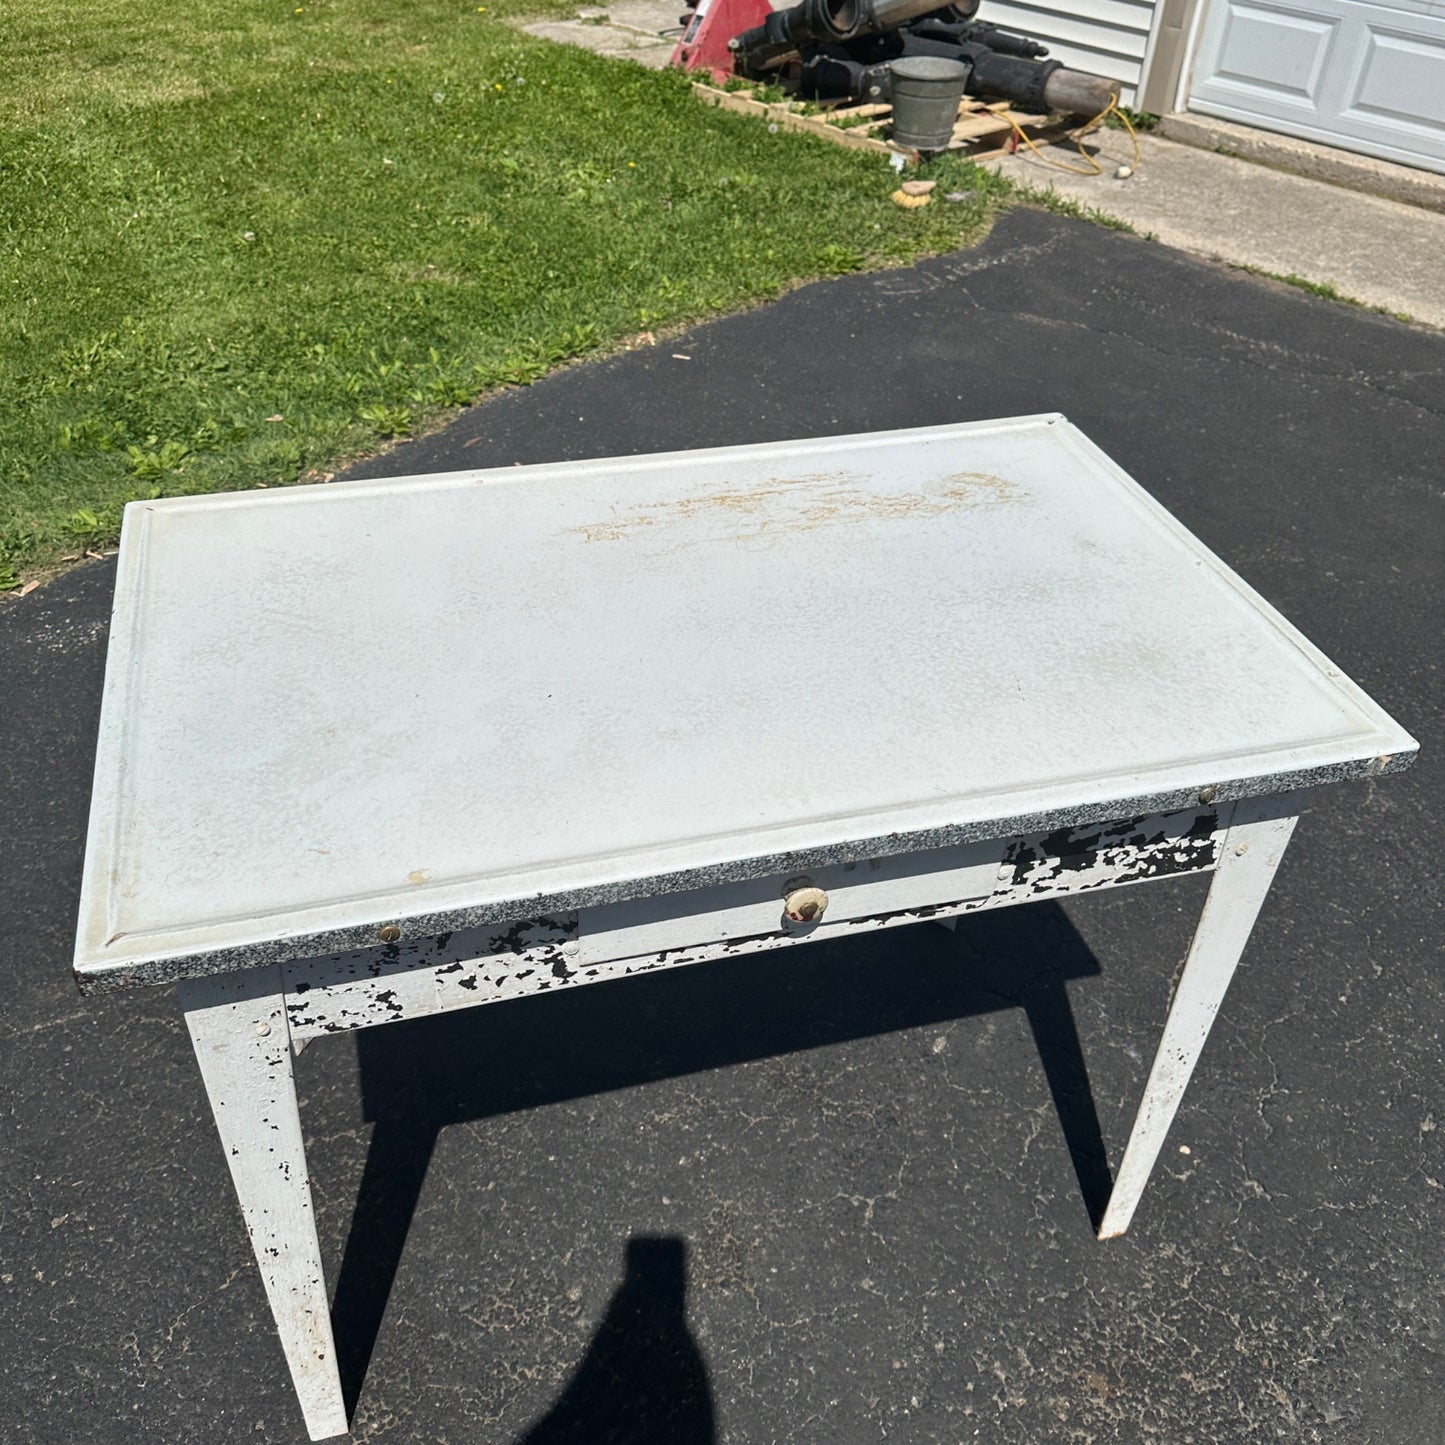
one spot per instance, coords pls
(926, 93)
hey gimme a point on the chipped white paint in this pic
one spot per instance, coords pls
(382, 985)
(336, 996)
(1076, 860)
(489, 965)
(1256, 842)
(237, 1024)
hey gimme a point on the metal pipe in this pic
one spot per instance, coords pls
(1075, 93)
(775, 42)
(881, 15)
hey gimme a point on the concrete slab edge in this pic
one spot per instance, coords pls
(1307, 158)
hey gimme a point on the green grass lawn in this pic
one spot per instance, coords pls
(242, 240)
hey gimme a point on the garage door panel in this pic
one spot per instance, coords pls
(1402, 79)
(1277, 53)
(1366, 77)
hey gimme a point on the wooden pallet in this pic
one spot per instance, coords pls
(982, 132)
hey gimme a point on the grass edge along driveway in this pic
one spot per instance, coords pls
(243, 241)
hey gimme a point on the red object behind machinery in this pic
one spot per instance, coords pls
(707, 30)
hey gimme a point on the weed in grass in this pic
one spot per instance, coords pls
(1108, 222)
(83, 523)
(216, 432)
(1325, 290)
(1143, 121)
(89, 434)
(388, 421)
(443, 391)
(836, 260)
(149, 463)
(1062, 205)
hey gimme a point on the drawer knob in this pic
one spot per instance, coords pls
(805, 905)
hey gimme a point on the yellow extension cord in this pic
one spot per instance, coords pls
(1094, 168)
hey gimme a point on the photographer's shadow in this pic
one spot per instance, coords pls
(643, 1380)
(419, 1077)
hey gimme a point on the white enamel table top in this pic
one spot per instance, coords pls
(454, 699)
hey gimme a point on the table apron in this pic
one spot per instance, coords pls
(619, 940)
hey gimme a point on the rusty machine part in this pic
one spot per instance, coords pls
(785, 34)
(842, 50)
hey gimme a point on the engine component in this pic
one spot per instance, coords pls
(843, 50)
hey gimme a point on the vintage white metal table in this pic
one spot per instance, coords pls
(377, 750)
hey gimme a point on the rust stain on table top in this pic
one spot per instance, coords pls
(809, 501)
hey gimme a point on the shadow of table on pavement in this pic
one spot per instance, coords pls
(419, 1077)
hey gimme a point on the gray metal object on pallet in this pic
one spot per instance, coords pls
(926, 91)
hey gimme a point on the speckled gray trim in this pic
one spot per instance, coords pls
(136, 972)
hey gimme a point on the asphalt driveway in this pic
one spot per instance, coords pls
(846, 1197)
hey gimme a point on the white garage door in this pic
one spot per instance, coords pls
(1369, 78)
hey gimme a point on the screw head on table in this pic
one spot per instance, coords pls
(1209, 794)
(805, 905)
(388, 933)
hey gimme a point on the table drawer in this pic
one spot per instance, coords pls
(755, 909)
